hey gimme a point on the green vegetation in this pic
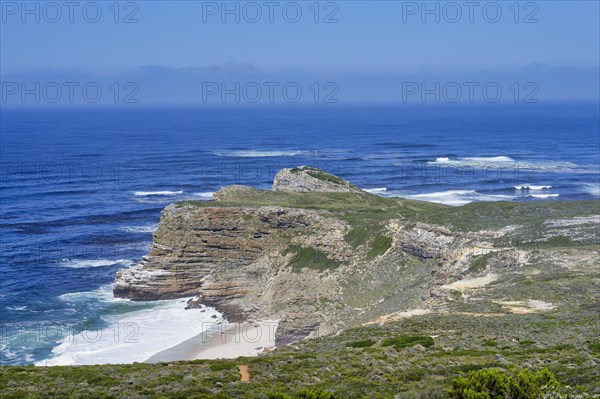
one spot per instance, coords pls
(469, 347)
(380, 246)
(303, 394)
(311, 258)
(365, 343)
(357, 236)
(332, 365)
(480, 263)
(495, 384)
(407, 341)
(364, 210)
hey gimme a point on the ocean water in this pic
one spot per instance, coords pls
(82, 191)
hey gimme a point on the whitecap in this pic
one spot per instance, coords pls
(501, 161)
(531, 187)
(472, 161)
(261, 154)
(591, 189)
(6, 352)
(102, 294)
(16, 308)
(544, 195)
(205, 196)
(85, 263)
(375, 190)
(489, 159)
(149, 228)
(153, 193)
(456, 197)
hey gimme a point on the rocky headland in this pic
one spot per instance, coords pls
(321, 255)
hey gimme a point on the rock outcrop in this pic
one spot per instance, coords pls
(307, 179)
(317, 263)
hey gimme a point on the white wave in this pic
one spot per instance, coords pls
(375, 190)
(134, 336)
(152, 193)
(457, 197)
(489, 159)
(102, 294)
(544, 195)
(260, 154)
(16, 308)
(206, 195)
(591, 188)
(500, 162)
(532, 187)
(471, 160)
(149, 228)
(84, 263)
(6, 352)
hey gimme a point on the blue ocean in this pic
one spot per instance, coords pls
(82, 192)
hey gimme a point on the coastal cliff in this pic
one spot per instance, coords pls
(320, 255)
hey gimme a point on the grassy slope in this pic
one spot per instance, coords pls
(563, 339)
(357, 206)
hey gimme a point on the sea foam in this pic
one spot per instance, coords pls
(149, 228)
(472, 160)
(375, 190)
(542, 196)
(591, 189)
(456, 197)
(134, 336)
(153, 193)
(531, 187)
(84, 263)
(261, 154)
(204, 196)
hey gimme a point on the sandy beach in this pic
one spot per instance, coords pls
(223, 341)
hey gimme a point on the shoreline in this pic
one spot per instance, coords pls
(223, 341)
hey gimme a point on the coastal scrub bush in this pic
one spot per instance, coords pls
(496, 384)
(224, 365)
(312, 393)
(406, 341)
(365, 343)
(381, 244)
(306, 393)
(311, 258)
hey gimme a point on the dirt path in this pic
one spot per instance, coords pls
(244, 374)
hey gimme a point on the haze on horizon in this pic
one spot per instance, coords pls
(369, 50)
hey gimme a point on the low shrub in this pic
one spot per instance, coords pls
(406, 341)
(496, 384)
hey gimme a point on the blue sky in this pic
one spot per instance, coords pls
(554, 42)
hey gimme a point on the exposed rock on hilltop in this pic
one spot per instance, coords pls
(307, 179)
(324, 260)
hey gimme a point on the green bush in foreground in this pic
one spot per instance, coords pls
(307, 393)
(495, 384)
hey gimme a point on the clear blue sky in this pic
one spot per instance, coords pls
(369, 39)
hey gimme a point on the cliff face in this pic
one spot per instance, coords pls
(235, 260)
(321, 262)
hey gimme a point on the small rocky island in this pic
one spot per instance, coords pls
(321, 255)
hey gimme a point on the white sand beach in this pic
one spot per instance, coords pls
(223, 341)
